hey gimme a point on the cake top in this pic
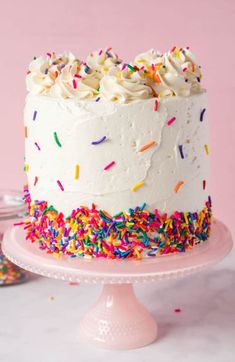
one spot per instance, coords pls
(104, 76)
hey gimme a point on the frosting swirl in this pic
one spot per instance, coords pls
(103, 60)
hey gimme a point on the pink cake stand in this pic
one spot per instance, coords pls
(117, 320)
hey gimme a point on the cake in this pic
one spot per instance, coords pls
(116, 154)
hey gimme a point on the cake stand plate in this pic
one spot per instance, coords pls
(117, 320)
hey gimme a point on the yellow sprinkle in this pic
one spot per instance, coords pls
(137, 254)
(119, 75)
(76, 175)
(136, 186)
(140, 60)
(186, 218)
(177, 53)
(26, 167)
(206, 149)
(105, 69)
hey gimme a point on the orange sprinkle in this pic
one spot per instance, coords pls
(178, 186)
(26, 132)
(148, 145)
(156, 78)
(193, 67)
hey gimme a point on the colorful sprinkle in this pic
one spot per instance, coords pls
(206, 149)
(155, 107)
(60, 185)
(99, 141)
(131, 68)
(97, 99)
(26, 167)
(177, 310)
(76, 174)
(178, 186)
(35, 180)
(204, 184)
(109, 165)
(181, 151)
(100, 52)
(137, 185)
(26, 132)
(74, 84)
(88, 232)
(202, 114)
(148, 145)
(39, 149)
(57, 139)
(171, 121)
(34, 115)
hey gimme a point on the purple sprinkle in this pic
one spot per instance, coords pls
(62, 66)
(46, 71)
(181, 151)
(108, 54)
(99, 141)
(39, 149)
(34, 115)
(202, 114)
(97, 99)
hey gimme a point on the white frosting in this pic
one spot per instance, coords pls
(103, 60)
(127, 127)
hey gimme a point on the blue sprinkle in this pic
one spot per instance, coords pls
(34, 115)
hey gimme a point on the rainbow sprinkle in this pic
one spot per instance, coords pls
(206, 149)
(76, 174)
(148, 145)
(35, 180)
(39, 149)
(137, 185)
(181, 151)
(109, 165)
(99, 141)
(178, 186)
(60, 185)
(26, 132)
(171, 121)
(57, 139)
(156, 103)
(88, 232)
(202, 114)
(34, 115)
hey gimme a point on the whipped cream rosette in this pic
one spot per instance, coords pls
(124, 85)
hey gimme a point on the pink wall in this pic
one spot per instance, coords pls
(29, 28)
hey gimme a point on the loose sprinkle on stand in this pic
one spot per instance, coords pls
(60, 185)
(36, 144)
(76, 174)
(202, 114)
(204, 184)
(35, 180)
(136, 186)
(57, 139)
(155, 107)
(99, 141)
(109, 165)
(148, 145)
(34, 115)
(178, 186)
(181, 151)
(26, 132)
(171, 121)
(206, 149)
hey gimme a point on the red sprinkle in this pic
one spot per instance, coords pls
(155, 107)
(171, 121)
(173, 49)
(100, 52)
(35, 180)
(177, 310)
(109, 165)
(74, 84)
(204, 184)
(60, 185)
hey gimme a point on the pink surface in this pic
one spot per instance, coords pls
(32, 28)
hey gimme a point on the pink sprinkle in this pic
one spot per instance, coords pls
(108, 50)
(74, 84)
(155, 107)
(109, 165)
(60, 185)
(171, 121)
(49, 55)
(37, 146)
(153, 66)
(177, 310)
(100, 52)
(78, 76)
(184, 69)
(124, 66)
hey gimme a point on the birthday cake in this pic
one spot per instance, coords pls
(116, 154)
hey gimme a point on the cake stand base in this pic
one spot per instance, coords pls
(117, 320)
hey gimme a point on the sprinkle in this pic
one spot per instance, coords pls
(99, 141)
(34, 115)
(178, 186)
(177, 310)
(124, 66)
(204, 184)
(57, 140)
(136, 186)
(26, 132)
(39, 149)
(185, 69)
(202, 114)
(155, 107)
(181, 151)
(131, 68)
(76, 174)
(109, 165)
(148, 145)
(49, 55)
(97, 99)
(35, 181)
(60, 185)
(171, 121)
(26, 168)
(74, 84)
(206, 149)
(78, 76)
(100, 52)
(173, 49)
(51, 298)
(193, 67)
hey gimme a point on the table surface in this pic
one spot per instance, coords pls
(39, 319)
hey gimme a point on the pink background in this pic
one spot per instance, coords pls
(29, 28)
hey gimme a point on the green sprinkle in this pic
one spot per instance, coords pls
(131, 68)
(57, 140)
(45, 210)
(119, 214)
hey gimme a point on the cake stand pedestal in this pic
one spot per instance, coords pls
(117, 320)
